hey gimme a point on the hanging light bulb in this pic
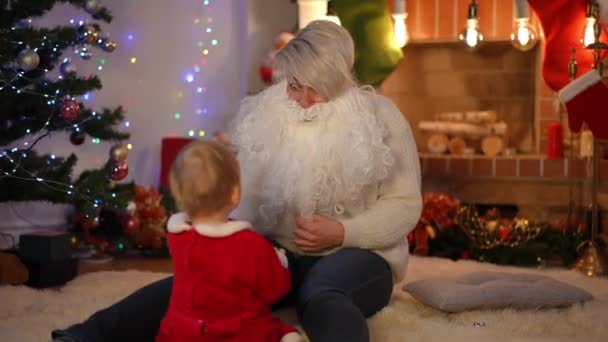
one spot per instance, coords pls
(471, 35)
(590, 21)
(524, 35)
(399, 25)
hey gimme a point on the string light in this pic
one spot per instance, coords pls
(206, 45)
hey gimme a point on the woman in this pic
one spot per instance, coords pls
(330, 173)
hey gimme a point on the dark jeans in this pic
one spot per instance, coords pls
(333, 295)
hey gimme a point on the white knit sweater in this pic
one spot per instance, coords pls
(389, 209)
(393, 207)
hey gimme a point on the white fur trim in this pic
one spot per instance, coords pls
(579, 85)
(180, 222)
(292, 337)
(282, 257)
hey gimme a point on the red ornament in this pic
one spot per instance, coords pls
(266, 74)
(119, 170)
(504, 233)
(77, 138)
(131, 223)
(69, 109)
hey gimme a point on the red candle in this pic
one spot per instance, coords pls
(554, 140)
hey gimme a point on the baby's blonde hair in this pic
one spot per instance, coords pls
(203, 178)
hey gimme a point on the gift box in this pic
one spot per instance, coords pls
(44, 246)
(49, 273)
(47, 256)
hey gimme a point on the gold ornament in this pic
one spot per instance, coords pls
(119, 152)
(28, 59)
(108, 46)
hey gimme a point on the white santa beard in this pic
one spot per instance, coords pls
(306, 161)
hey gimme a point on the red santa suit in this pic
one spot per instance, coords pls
(226, 277)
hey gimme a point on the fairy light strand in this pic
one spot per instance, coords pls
(43, 132)
(205, 44)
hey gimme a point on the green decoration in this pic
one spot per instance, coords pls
(371, 26)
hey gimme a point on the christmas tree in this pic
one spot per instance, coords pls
(34, 104)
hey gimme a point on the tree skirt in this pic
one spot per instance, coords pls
(29, 315)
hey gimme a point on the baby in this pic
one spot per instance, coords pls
(226, 276)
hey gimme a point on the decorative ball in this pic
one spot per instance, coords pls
(131, 223)
(266, 74)
(87, 33)
(108, 46)
(119, 170)
(92, 6)
(21, 24)
(77, 138)
(101, 40)
(85, 52)
(70, 109)
(28, 59)
(119, 153)
(67, 68)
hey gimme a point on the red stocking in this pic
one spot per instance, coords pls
(563, 23)
(586, 99)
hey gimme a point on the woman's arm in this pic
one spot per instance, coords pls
(399, 203)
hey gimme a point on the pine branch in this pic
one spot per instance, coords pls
(30, 106)
(11, 11)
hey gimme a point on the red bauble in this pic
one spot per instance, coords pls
(266, 73)
(504, 233)
(119, 170)
(77, 138)
(69, 109)
(131, 223)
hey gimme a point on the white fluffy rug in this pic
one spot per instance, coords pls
(29, 315)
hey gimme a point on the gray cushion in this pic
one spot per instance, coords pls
(495, 290)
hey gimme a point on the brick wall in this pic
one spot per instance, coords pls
(437, 74)
(445, 77)
(440, 21)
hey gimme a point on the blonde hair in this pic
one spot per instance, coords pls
(321, 56)
(203, 177)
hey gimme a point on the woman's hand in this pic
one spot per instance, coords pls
(318, 233)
